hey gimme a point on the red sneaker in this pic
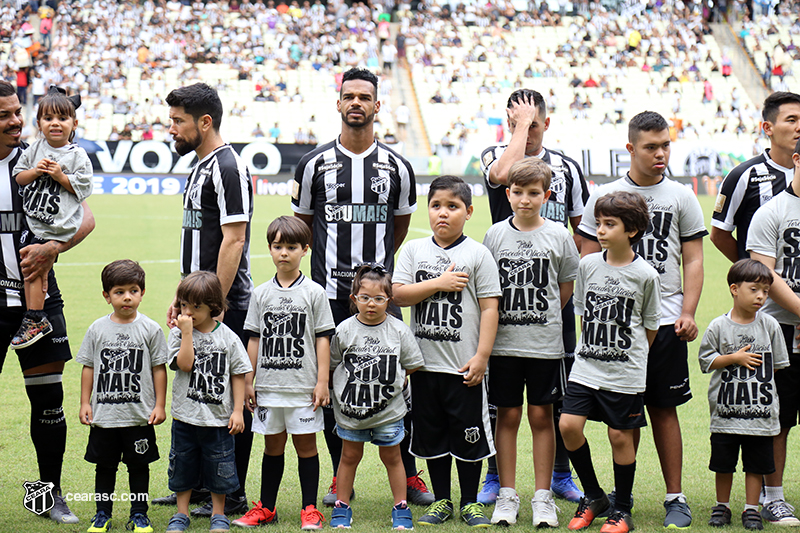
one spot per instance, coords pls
(587, 511)
(311, 518)
(417, 492)
(257, 516)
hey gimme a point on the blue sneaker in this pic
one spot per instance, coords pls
(100, 523)
(401, 517)
(139, 523)
(219, 524)
(342, 515)
(178, 523)
(564, 487)
(491, 486)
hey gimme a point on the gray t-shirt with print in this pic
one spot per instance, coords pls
(287, 322)
(369, 364)
(204, 396)
(123, 357)
(775, 232)
(52, 212)
(744, 401)
(675, 217)
(447, 324)
(531, 265)
(617, 305)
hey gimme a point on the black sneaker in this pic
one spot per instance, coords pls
(720, 516)
(233, 506)
(612, 501)
(198, 496)
(751, 519)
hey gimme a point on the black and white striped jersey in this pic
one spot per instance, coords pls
(219, 191)
(746, 188)
(568, 187)
(354, 199)
(12, 231)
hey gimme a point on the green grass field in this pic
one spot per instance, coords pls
(146, 229)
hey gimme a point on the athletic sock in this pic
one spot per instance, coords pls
(582, 461)
(308, 468)
(243, 443)
(726, 504)
(332, 440)
(105, 479)
(772, 494)
(491, 462)
(48, 425)
(561, 463)
(139, 479)
(271, 476)
(748, 507)
(623, 480)
(469, 477)
(675, 496)
(439, 469)
(409, 462)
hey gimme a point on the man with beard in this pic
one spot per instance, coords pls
(42, 364)
(217, 208)
(357, 195)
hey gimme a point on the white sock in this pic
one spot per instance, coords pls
(673, 495)
(748, 507)
(773, 494)
(726, 504)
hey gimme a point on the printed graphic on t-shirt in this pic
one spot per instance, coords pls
(41, 199)
(120, 373)
(371, 373)
(439, 317)
(790, 269)
(282, 344)
(654, 246)
(209, 373)
(745, 393)
(524, 277)
(607, 321)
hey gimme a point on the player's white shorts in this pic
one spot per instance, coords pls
(293, 420)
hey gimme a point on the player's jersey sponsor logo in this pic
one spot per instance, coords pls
(384, 166)
(10, 222)
(357, 213)
(331, 166)
(762, 178)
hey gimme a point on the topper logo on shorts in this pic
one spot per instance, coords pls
(141, 446)
(472, 435)
(38, 496)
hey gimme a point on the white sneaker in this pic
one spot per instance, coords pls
(506, 508)
(544, 509)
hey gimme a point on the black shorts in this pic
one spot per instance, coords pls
(568, 329)
(133, 445)
(614, 409)
(667, 370)
(545, 379)
(787, 382)
(757, 455)
(449, 418)
(49, 349)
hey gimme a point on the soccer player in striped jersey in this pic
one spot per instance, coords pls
(357, 195)
(756, 181)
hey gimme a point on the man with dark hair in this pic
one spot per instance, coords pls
(357, 195)
(42, 363)
(756, 181)
(674, 238)
(528, 120)
(217, 209)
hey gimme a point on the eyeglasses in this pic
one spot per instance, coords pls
(374, 267)
(364, 299)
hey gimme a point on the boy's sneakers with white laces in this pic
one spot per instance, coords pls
(779, 513)
(563, 486)
(506, 507)
(60, 511)
(679, 516)
(545, 511)
(491, 487)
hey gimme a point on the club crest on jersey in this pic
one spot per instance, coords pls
(379, 185)
(558, 182)
(141, 446)
(472, 435)
(38, 496)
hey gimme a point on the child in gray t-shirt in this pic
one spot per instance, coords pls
(123, 391)
(55, 176)
(743, 349)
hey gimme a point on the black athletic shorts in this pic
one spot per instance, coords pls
(545, 379)
(667, 370)
(133, 445)
(449, 418)
(787, 382)
(614, 409)
(757, 457)
(54, 347)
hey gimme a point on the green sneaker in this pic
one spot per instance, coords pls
(474, 515)
(438, 513)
